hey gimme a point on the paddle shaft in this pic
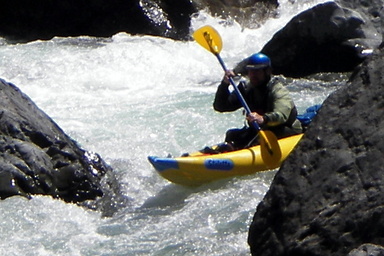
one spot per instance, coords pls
(245, 105)
(238, 93)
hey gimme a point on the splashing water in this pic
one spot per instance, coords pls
(127, 97)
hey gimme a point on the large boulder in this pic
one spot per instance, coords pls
(37, 157)
(249, 14)
(327, 198)
(27, 20)
(330, 37)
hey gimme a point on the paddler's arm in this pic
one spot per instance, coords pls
(225, 101)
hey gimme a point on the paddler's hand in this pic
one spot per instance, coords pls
(255, 117)
(227, 75)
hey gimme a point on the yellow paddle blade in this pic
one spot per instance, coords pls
(270, 149)
(209, 38)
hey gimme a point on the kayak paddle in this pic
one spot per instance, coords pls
(210, 39)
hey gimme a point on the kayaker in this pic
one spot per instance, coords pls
(269, 101)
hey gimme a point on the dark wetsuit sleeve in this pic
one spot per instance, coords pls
(225, 101)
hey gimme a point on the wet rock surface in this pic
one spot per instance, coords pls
(326, 199)
(28, 20)
(330, 37)
(37, 157)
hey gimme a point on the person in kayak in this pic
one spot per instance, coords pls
(269, 101)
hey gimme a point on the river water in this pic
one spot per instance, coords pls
(127, 97)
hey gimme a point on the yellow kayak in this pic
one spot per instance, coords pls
(199, 168)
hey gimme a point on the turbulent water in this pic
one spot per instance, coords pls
(128, 97)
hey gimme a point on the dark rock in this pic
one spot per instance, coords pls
(249, 14)
(37, 157)
(330, 37)
(326, 199)
(372, 10)
(27, 20)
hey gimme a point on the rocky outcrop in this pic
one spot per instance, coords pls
(249, 14)
(27, 20)
(330, 37)
(37, 157)
(327, 198)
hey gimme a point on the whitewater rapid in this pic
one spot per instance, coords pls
(127, 97)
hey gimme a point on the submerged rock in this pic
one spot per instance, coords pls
(326, 199)
(37, 157)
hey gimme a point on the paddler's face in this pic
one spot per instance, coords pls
(257, 76)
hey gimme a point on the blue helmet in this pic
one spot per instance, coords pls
(258, 61)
